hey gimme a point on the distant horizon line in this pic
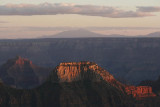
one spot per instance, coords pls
(69, 34)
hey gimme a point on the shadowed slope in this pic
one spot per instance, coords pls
(21, 73)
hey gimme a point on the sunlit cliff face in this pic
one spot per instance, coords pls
(90, 71)
(140, 91)
(77, 71)
(83, 71)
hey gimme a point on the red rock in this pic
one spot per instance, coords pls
(21, 73)
(79, 71)
(140, 91)
(22, 61)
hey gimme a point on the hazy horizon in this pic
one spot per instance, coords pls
(32, 19)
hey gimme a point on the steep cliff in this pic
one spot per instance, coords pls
(90, 71)
(83, 71)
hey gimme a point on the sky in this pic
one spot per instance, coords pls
(36, 18)
(93, 2)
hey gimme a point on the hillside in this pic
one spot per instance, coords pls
(21, 73)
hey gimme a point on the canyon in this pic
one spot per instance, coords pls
(69, 84)
(127, 59)
(72, 84)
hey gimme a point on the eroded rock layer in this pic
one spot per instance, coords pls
(90, 71)
(140, 91)
(83, 71)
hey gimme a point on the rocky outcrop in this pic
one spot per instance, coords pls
(21, 61)
(90, 71)
(154, 84)
(21, 73)
(70, 72)
(83, 71)
(140, 91)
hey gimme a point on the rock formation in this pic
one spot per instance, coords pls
(77, 84)
(90, 71)
(140, 91)
(21, 73)
(69, 72)
(83, 71)
(154, 84)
